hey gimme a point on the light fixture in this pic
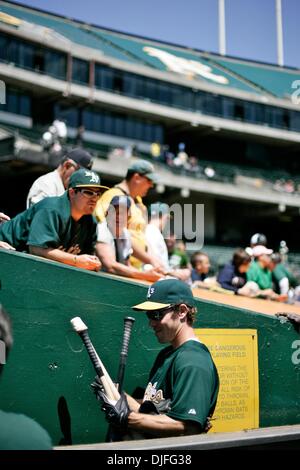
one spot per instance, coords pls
(160, 188)
(282, 207)
(185, 192)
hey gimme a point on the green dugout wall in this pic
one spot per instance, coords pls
(48, 373)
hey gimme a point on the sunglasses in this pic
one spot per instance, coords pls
(89, 193)
(158, 315)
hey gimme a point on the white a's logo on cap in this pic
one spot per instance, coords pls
(150, 292)
(94, 177)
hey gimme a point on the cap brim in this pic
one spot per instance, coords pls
(150, 306)
(91, 186)
(152, 177)
(265, 252)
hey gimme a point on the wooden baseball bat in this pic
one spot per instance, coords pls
(109, 387)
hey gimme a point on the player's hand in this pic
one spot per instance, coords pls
(6, 246)
(4, 217)
(116, 413)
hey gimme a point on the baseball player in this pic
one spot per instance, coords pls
(183, 384)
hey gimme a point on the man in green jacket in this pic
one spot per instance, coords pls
(60, 228)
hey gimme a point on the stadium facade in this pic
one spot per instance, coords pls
(239, 118)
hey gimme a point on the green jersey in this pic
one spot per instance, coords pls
(18, 432)
(48, 224)
(262, 277)
(184, 383)
(279, 273)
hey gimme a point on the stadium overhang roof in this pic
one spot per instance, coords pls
(189, 67)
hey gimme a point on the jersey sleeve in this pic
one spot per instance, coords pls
(45, 229)
(103, 233)
(191, 398)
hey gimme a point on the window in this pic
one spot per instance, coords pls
(17, 103)
(25, 105)
(55, 63)
(118, 85)
(103, 77)
(239, 111)
(80, 71)
(68, 114)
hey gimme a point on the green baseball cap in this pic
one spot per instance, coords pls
(144, 168)
(167, 292)
(85, 179)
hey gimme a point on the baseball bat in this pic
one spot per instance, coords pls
(108, 385)
(113, 434)
(128, 323)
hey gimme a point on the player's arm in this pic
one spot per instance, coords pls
(161, 425)
(89, 262)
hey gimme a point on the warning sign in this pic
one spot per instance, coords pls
(235, 355)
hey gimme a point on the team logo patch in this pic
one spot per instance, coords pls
(93, 177)
(150, 292)
(152, 394)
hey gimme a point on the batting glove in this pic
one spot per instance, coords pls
(116, 413)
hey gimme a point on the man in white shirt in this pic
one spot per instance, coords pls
(56, 182)
(159, 216)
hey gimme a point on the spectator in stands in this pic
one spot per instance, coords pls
(139, 179)
(260, 273)
(17, 431)
(201, 266)
(128, 151)
(61, 130)
(256, 239)
(60, 228)
(168, 156)
(282, 277)
(233, 275)
(54, 138)
(56, 182)
(283, 251)
(156, 150)
(159, 216)
(79, 136)
(178, 257)
(181, 159)
(289, 186)
(193, 165)
(114, 246)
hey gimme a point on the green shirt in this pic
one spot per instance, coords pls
(178, 259)
(281, 272)
(185, 378)
(48, 224)
(262, 276)
(18, 432)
